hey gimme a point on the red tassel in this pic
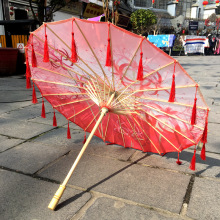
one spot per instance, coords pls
(140, 68)
(68, 131)
(33, 57)
(28, 72)
(46, 53)
(202, 155)
(34, 97)
(28, 82)
(84, 141)
(43, 115)
(205, 132)
(178, 160)
(193, 161)
(73, 48)
(172, 91)
(54, 119)
(193, 118)
(108, 56)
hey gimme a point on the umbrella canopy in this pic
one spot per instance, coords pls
(84, 68)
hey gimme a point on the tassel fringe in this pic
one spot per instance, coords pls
(46, 52)
(84, 141)
(43, 115)
(68, 131)
(178, 160)
(108, 55)
(193, 161)
(193, 118)
(34, 97)
(54, 119)
(140, 68)
(74, 56)
(33, 57)
(202, 154)
(172, 91)
(28, 72)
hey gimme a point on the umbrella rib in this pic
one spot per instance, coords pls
(107, 126)
(134, 132)
(168, 126)
(158, 132)
(69, 58)
(93, 52)
(121, 130)
(176, 103)
(68, 103)
(130, 62)
(80, 111)
(172, 116)
(156, 89)
(137, 80)
(146, 135)
(39, 67)
(57, 83)
(92, 120)
(64, 94)
(65, 67)
(96, 121)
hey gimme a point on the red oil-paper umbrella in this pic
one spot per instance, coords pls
(118, 86)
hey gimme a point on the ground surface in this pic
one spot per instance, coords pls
(110, 182)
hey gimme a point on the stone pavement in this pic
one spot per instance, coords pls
(110, 182)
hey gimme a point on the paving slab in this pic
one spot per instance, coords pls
(208, 168)
(30, 157)
(214, 137)
(108, 209)
(61, 120)
(205, 200)
(6, 142)
(58, 137)
(8, 107)
(15, 96)
(23, 197)
(21, 129)
(125, 180)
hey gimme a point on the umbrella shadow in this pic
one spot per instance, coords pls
(77, 196)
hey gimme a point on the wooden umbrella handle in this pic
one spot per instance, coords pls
(62, 187)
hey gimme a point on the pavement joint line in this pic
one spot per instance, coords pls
(187, 196)
(51, 163)
(80, 213)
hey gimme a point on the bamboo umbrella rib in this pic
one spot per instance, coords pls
(106, 126)
(158, 132)
(60, 94)
(175, 103)
(172, 116)
(68, 103)
(69, 48)
(93, 52)
(124, 89)
(121, 130)
(81, 111)
(92, 120)
(100, 91)
(51, 71)
(94, 91)
(156, 89)
(146, 134)
(130, 62)
(57, 83)
(95, 119)
(65, 67)
(169, 126)
(68, 58)
(134, 132)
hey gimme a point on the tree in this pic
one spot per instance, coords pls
(142, 20)
(50, 6)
